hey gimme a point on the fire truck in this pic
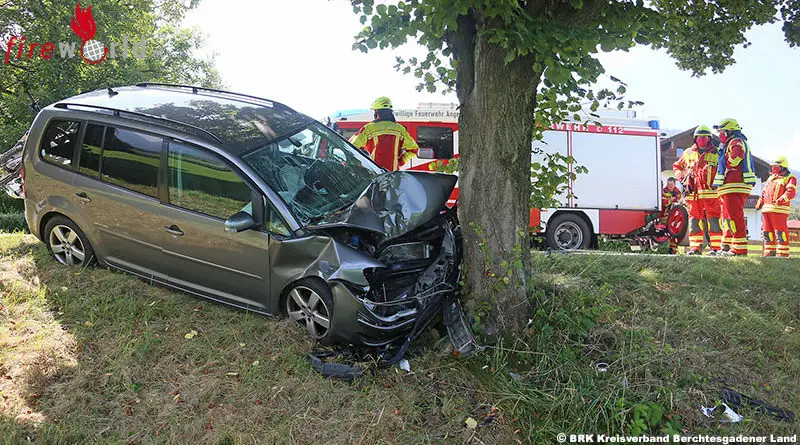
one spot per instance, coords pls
(619, 197)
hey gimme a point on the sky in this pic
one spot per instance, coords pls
(299, 52)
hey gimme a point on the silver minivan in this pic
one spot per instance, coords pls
(244, 201)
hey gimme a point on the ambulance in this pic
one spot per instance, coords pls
(619, 197)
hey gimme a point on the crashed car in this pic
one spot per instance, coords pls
(243, 201)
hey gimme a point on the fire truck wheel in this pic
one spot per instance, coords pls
(568, 231)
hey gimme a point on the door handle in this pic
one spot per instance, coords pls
(84, 198)
(174, 230)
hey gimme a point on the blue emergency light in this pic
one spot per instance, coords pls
(654, 124)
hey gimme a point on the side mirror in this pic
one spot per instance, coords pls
(426, 153)
(239, 222)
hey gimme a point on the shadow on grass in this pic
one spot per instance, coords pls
(93, 356)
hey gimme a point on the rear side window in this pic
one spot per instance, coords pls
(131, 160)
(201, 182)
(440, 139)
(58, 142)
(89, 163)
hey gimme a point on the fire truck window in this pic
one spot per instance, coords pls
(440, 139)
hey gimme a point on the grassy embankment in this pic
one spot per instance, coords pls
(101, 357)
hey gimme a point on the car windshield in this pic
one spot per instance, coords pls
(314, 170)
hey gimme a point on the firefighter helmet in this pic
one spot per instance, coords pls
(702, 130)
(728, 124)
(382, 103)
(781, 160)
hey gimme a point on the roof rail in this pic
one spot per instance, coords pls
(116, 111)
(196, 89)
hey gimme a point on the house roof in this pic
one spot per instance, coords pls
(794, 224)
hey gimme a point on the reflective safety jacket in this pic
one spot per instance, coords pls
(735, 172)
(388, 143)
(698, 166)
(778, 193)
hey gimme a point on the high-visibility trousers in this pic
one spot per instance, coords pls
(704, 216)
(776, 234)
(734, 229)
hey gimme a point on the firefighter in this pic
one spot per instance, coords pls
(735, 177)
(387, 142)
(775, 201)
(696, 170)
(670, 195)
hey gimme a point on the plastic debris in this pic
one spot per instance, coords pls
(601, 367)
(190, 334)
(737, 400)
(404, 365)
(728, 415)
(471, 423)
(514, 375)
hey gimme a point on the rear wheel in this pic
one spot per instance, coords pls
(310, 304)
(67, 242)
(568, 231)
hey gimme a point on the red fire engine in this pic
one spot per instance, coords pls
(620, 196)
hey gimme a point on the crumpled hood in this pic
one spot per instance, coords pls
(395, 203)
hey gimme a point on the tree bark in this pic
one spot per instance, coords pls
(495, 132)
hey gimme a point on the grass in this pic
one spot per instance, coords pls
(100, 357)
(673, 330)
(11, 213)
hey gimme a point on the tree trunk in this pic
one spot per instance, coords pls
(495, 133)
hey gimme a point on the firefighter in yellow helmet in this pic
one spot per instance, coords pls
(776, 198)
(387, 142)
(696, 169)
(735, 177)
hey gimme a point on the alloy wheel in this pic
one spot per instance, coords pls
(306, 307)
(67, 246)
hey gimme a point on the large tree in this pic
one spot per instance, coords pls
(171, 53)
(517, 66)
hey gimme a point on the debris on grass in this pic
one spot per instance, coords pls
(190, 334)
(404, 365)
(727, 415)
(471, 423)
(737, 399)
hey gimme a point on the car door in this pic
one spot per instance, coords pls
(117, 188)
(204, 190)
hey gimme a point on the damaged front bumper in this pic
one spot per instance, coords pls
(386, 314)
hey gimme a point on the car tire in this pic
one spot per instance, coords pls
(67, 243)
(309, 302)
(568, 231)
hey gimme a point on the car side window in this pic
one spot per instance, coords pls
(275, 223)
(202, 182)
(58, 142)
(440, 139)
(89, 162)
(131, 159)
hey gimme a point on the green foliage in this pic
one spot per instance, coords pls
(795, 212)
(170, 54)
(560, 40)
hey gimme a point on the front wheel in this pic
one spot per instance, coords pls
(568, 231)
(310, 303)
